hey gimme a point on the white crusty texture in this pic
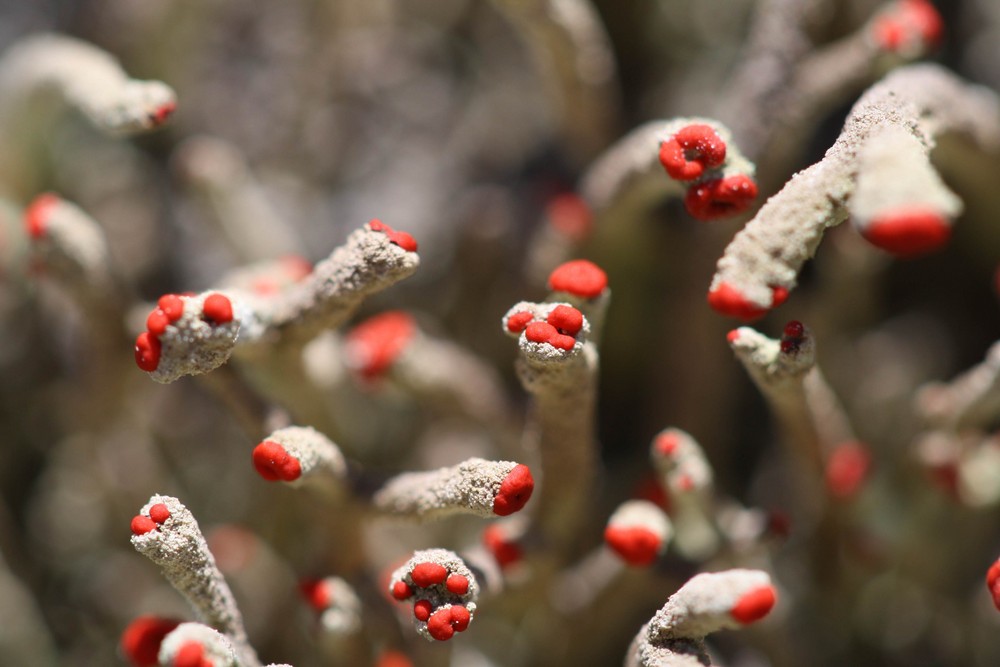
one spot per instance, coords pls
(771, 369)
(684, 467)
(326, 298)
(630, 170)
(87, 78)
(674, 637)
(893, 149)
(218, 649)
(315, 452)
(438, 594)
(467, 488)
(971, 399)
(178, 547)
(925, 100)
(686, 475)
(192, 345)
(367, 263)
(73, 245)
(343, 615)
(563, 385)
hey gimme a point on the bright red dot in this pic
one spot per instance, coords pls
(515, 490)
(317, 593)
(636, 545)
(457, 584)
(147, 351)
(217, 309)
(580, 278)
(157, 322)
(754, 605)
(140, 642)
(428, 574)
(569, 214)
(142, 524)
(847, 468)
(908, 231)
(728, 300)
(191, 654)
(518, 321)
(401, 239)
(566, 319)
(375, 344)
(172, 306)
(274, 463)
(36, 216)
(159, 513)
(695, 148)
(506, 552)
(720, 197)
(540, 332)
(401, 590)
(422, 610)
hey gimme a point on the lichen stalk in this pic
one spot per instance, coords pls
(175, 543)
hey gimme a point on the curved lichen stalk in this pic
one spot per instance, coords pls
(899, 203)
(167, 533)
(707, 603)
(193, 334)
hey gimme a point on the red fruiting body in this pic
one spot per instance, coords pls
(37, 214)
(847, 468)
(172, 306)
(728, 300)
(401, 590)
(691, 151)
(907, 22)
(579, 278)
(444, 623)
(649, 488)
(159, 513)
(140, 642)
(217, 309)
(566, 319)
(316, 592)
(504, 551)
(142, 525)
(428, 574)
(402, 239)
(720, 197)
(147, 351)
(393, 659)
(515, 490)
(518, 321)
(273, 463)
(667, 444)
(375, 344)
(540, 332)
(636, 545)
(562, 342)
(792, 337)
(157, 322)
(993, 583)
(191, 654)
(164, 112)
(457, 584)
(754, 605)
(733, 335)
(569, 215)
(908, 231)
(422, 610)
